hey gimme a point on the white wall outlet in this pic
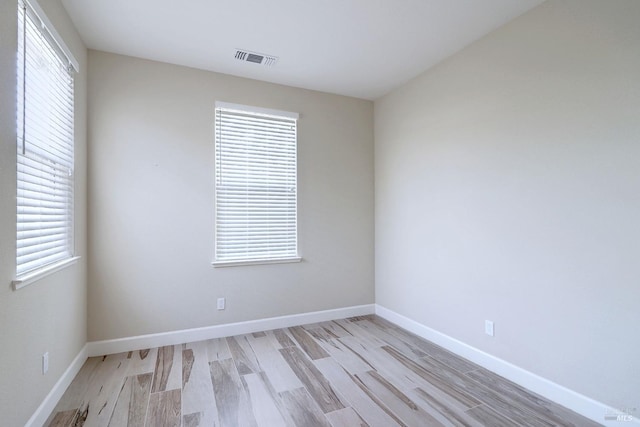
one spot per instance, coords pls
(45, 363)
(221, 303)
(488, 328)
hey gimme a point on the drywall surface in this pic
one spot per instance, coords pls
(48, 315)
(507, 187)
(151, 194)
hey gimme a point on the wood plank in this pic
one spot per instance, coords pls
(199, 419)
(277, 398)
(280, 374)
(307, 343)
(499, 402)
(317, 385)
(365, 337)
(394, 399)
(384, 363)
(187, 365)
(163, 368)
(443, 410)
(445, 356)
(197, 390)
(270, 337)
(168, 369)
(80, 417)
(283, 338)
(74, 395)
(320, 334)
(165, 409)
(365, 404)
(488, 417)
(218, 349)
(102, 394)
(360, 318)
(459, 396)
(408, 350)
(62, 419)
(142, 361)
(303, 409)
(234, 406)
(551, 411)
(346, 417)
(141, 389)
(347, 357)
(193, 420)
(133, 399)
(435, 351)
(308, 326)
(243, 355)
(265, 409)
(333, 329)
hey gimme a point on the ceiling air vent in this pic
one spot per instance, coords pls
(256, 58)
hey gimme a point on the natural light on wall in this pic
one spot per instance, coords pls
(255, 186)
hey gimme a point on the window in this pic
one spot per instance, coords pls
(255, 185)
(45, 108)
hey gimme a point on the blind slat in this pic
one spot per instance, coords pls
(44, 147)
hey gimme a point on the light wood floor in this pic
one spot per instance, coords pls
(361, 371)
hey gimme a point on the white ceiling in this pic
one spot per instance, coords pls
(361, 48)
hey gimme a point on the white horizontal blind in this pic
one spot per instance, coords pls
(45, 147)
(255, 186)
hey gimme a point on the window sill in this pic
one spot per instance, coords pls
(33, 277)
(217, 264)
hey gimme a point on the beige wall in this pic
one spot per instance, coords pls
(151, 201)
(49, 315)
(508, 188)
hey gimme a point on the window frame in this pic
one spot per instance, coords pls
(33, 25)
(262, 113)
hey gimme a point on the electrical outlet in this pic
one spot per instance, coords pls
(221, 303)
(488, 328)
(45, 363)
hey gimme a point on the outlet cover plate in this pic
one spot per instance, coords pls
(45, 363)
(488, 328)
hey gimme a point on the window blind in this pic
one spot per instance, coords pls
(255, 186)
(45, 146)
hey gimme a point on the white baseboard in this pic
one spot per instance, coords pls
(577, 402)
(99, 348)
(41, 414)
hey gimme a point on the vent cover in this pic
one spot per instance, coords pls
(256, 58)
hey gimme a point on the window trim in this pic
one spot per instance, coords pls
(257, 110)
(255, 261)
(33, 276)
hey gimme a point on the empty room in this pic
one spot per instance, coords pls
(337, 213)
